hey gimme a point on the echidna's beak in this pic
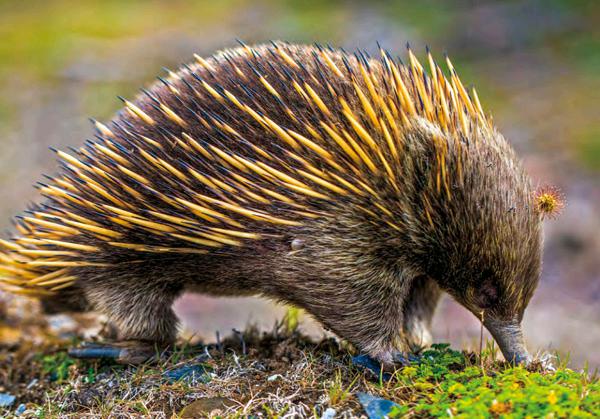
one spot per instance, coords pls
(509, 336)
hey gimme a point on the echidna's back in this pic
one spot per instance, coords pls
(231, 127)
(232, 149)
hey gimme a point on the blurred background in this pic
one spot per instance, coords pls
(536, 65)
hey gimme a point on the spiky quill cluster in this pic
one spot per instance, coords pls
(549, 201)
(332, 126)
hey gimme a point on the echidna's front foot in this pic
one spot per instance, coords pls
(125, 352)
(393, 360)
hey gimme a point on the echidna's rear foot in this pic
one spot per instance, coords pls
(125, 352)
(418, 334)
(418, 313)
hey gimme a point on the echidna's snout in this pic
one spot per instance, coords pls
(509, 336)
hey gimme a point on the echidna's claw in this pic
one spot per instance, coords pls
(126, 352)
(400, 359)
(385, 369)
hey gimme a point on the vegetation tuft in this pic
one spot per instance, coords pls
(445, 382)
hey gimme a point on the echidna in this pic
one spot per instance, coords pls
(357, 188)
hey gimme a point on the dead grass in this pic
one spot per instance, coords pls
(281, 373)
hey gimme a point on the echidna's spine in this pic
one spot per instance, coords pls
(238, 147)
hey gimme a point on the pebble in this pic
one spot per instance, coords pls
(20, 410)
(329, 413)
(376, 407)
(6, 399)
(205, 407)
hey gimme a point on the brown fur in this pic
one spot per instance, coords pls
(373, 277)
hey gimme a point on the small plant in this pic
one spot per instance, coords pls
(291, 319)
(56, 366)
(338, 391)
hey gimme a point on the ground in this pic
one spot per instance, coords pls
(277, 373)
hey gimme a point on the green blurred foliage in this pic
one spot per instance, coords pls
(41, 39)
(37, 36)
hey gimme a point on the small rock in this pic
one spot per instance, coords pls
(274, 377)
(376, 407)
(329, 413)
(6, 399)
(20, 410)
(88, 397)
(188, 373)
(206, 407)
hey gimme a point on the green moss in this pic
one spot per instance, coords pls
(447, 384)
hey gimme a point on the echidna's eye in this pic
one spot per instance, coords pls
(487, 293)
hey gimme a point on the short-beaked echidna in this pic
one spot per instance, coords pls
(354, 187)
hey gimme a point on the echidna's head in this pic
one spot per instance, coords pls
(482, 235)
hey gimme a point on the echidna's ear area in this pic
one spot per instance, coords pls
(235, 148)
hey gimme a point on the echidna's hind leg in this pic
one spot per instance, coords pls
(418, 313)
(143, 315)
